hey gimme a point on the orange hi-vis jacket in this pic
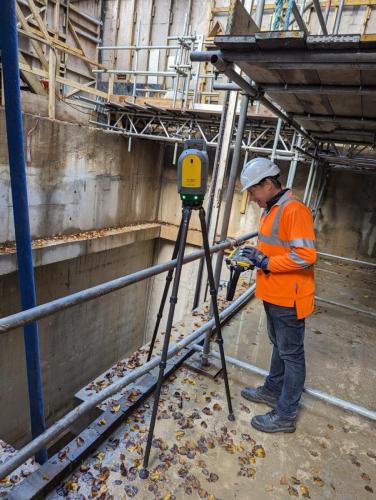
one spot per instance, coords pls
(287, 237)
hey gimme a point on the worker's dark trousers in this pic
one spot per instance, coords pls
(287, 369)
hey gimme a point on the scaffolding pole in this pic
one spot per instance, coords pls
(17, 170)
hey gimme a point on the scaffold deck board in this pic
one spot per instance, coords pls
(329, 65)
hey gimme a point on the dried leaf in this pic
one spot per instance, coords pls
(368, 488)
(259, 451)
(207, 411)
(45, 477)
(202, 493)
(155, 475)
(63, 453)
(167, 496)
(250, 472)
(103, 489)
(102, 421)
(269, 487)
(100, 455)
(295, 480)
(115, 408)
(131, 491)
(104, 475)
(217, 407)
(304, 491)
(212, 477)
(317, 480)
(189, 381)
(283, 481)
(293, 492)
(365, 477)
(80, 441)
(71, 486)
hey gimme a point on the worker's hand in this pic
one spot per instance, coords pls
(257, 258)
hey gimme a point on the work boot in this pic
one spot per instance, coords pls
(260, 395)
(272, 422)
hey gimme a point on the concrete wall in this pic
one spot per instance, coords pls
(81, 178)
(77, 344)
(347, 219)
(78, 179)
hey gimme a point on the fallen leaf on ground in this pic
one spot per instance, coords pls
(304, 491)
(317, 480)
(259, 451)
(293, 492)
(71, 486)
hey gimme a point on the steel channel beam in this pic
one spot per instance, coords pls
(314, 89)
(336, 119)
(291, 56)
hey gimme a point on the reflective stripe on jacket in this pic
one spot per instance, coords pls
(287, 237)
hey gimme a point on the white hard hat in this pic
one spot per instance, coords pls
(256, 170)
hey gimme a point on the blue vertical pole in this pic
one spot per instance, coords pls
(9, 57)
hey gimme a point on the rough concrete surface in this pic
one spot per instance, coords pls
(198, 453)
(77, 344)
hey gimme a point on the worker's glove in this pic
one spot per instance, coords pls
(257, 258)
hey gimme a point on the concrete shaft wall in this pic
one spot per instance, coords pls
(78, 178)
(77, 344)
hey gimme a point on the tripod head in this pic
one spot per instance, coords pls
(193, 173)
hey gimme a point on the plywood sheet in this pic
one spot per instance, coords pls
(239, 22)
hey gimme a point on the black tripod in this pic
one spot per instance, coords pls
(179, 254)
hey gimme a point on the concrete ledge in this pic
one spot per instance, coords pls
(170, 232)
(59, 248)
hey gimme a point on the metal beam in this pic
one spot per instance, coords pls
(313, 89)
(296, 57)
(225, 86)
(228, 69)
(299, 19)
(336, 120)
(320, 16)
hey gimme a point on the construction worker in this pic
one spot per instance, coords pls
(284, 256)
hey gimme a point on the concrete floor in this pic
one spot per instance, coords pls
(198, 453)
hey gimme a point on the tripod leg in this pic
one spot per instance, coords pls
(213, 293)
(164, 296)
(144, 473)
